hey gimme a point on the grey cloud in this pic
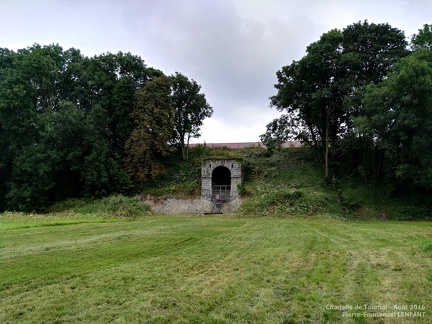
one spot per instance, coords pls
(233, 48)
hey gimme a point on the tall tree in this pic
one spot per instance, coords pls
(322, 90)
(423, 39)
(398, 114)
(45, 92)
(312, 89)
(191, 108)
(154, 121)
(28, 89)
(48, 169)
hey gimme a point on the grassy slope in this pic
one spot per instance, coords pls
(290, 183)
(162, 269)
(110, 260)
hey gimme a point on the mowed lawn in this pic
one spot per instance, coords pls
(213, 269)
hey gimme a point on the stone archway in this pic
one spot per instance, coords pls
(221, 183)
(221, 172)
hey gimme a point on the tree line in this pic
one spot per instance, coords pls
(74, 126)
(362, 97)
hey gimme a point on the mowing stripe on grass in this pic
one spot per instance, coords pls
(211, 269)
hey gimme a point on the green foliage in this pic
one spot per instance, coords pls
(242, 191)
(314, 90)
(191, 108)
(149, 141)
(370, 50)
(360, 96)
(285, 128)
(348, 202)
(423, 39)
(71, 204)
(321, 93)
(288, 202)
(118, 206)
(182, 177)
(124, 207)
(68, 123)
(64, 120)
(407, 211)
(285, 184)
(398, 116)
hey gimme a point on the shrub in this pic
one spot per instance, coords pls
(124, 207)
(410, 212)
(348, 202)
(284, 201)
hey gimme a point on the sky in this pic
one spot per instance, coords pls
(232, 48)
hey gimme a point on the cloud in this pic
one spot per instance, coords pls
(232, 55)
(232, 48)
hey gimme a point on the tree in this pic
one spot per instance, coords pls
(48, 169)
(191, 108)
(398, 114)
(64, 122)
(154, 121)
(313, 89)
(29, 89)
(423, 39)
(370, 50)
(283, 129)
(322, 90)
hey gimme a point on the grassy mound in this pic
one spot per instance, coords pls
(285, 184)
(290, 183)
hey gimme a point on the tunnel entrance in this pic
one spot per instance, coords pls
(221, 183)
(221, 177)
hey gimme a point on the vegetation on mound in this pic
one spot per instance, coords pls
(183, 177)
(284, 184)
(290, 182)
(118, 206)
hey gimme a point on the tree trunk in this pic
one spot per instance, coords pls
(187, 147)
(327, 146)
(314, 140)
(326, 157)
(183, 149)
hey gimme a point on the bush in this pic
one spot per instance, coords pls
(124, 207)
(69, 204)
(284, 201)
(407, 212)
(348, 202)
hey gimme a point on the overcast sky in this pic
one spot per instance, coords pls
(232, 48)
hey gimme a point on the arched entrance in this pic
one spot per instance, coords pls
(221, 177)
(221, 183)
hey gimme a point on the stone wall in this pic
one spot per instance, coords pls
(191, 206)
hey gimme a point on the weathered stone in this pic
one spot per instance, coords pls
(190, 206)
(228, 175)
(233, 166)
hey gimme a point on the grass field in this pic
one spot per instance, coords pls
(218, 269)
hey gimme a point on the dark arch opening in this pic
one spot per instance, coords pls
(221, 182)
(221, 176)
